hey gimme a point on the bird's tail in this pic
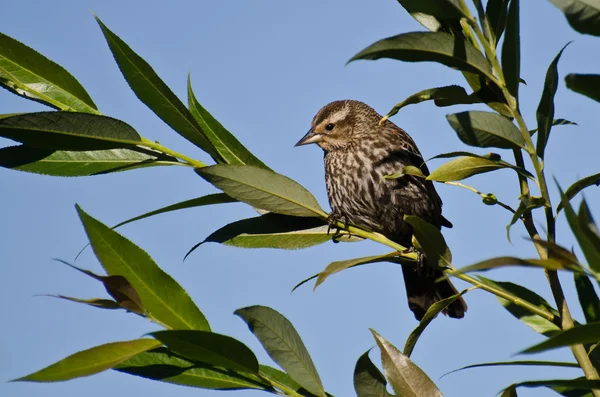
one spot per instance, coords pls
(422, 292)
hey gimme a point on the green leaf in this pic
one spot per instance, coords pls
(589, 242)
(444, 48)
(368, 380)
(579, 383)
(495, 13)
(91, 361)
(338, 266)
(68, 131)
(162, 365)
(504, 261)
(282, 381)
(574, 189)
(163, 299)
(558, 252)
(486, 129)
(431, 241)
(27, 73)
(511, 50)
(510, 391)
(274, 231)
(225, 143)
(155, 94)
(526, 203)
(569, 391)
(442, 9)
(555, 122)
(407, 170)
(585, 84)
(588, 299)
(283, 344)
(545, 110)
(441, 96)
(84, 163)
(535, 322)
(94, 302)
(210, 199)
(406, 378)
(472, 164)
(263, 189)
(588, 333)
(431, 313)
(534, 363)
(210, 348)
(583, 15)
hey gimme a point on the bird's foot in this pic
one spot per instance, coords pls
(332, 219)
(422, 268)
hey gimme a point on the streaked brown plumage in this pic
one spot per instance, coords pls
(358, 154)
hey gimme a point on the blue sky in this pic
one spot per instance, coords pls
(263, 69)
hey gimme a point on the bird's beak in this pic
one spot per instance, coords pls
(310, 137)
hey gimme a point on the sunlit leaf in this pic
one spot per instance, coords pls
(440, 47)
(338, 266)
(210, 348)
(162, 365)
(163, 299)
(472, 164)
(504, 261)
(31, 75)
(368, 380)
(283, 344)
(91, 361)
(431, 241)
(486, 129)
(545, 110)
(263, 189)
(282, 381)
(406, 378)
(526, 203)
(68, 131)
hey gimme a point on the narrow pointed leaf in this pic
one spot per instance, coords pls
(440, 47)
(68, 131)
(526, 203)
(283, 344)
(431, 241)
(495, 12)
(338, 266)
(282, 381)
(155, 94)
(263, 189)
(555, 122)
(535, 322)
(210, 199)
(588, 299)
(431, 313)
(572, 391)
(510, 391)
(79, 163)
(442, 9)
(504, 261)
(95, 302)
(162, 365)
(579, 383)
(533, 363)
(486, 129)
(583, 15)
(591, 234)
(91, 361)
(465, 167)
(511, 50)
(31, 75)
(545, 110)
(441, 96)
(558, 252)
(163, 298)
(210, 348)
(585, 84)
(588, 241)
(574, 189)
(368, 380)
(406, 378)
(225, 143)
(589, 333)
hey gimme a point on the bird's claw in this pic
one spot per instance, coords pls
(422, 268)
(332, 219)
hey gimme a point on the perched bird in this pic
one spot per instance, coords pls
(359, 152)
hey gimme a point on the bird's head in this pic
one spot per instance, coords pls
(340, 123)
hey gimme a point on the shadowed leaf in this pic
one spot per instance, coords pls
(495, 12)
(579, 383)
(511, 50)
(588, 299)
(27, 73)
(585, 84)
(283, 344)
(162, 365)
(534, 363)
(210, 348)
(574, 189)
(503, 261)
(442, 9)
(338, 266)
(431, 241)
(440, 47)
(368, 380)
(164, 300)
(583, 15)
(510, 391)
(95, 302)
(555, 122)
(282, 381)
(526, 203)
(486, 129)
(406, 378)
(91, 361)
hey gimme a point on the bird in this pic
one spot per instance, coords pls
(359, 151)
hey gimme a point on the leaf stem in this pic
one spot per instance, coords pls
(482, 195)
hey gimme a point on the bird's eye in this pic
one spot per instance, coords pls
(329, 127)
